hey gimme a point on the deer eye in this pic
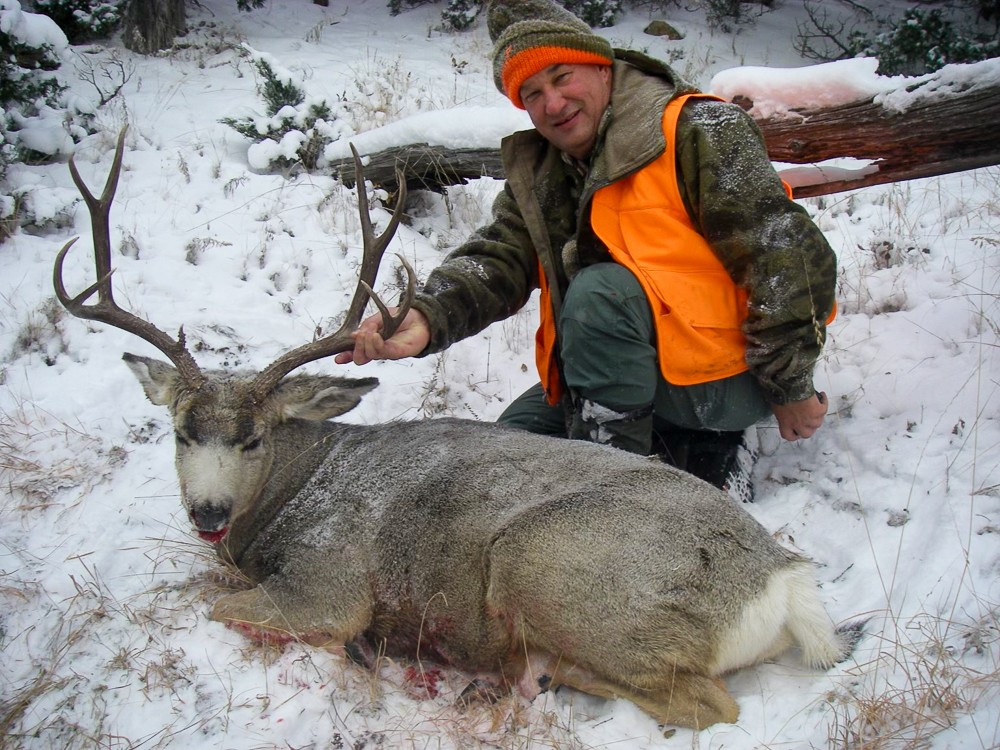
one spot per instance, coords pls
(181, 440)
(251, 446)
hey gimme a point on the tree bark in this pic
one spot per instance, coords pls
(936, 134)
(152, 25)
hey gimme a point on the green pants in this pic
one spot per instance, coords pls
(609, 358)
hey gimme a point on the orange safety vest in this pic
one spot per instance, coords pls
(697, 309)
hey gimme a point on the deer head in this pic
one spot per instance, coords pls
(225, 423)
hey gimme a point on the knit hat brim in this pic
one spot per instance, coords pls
(520, 67)
(531, 35)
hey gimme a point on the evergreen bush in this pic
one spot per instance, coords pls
(83, 20)
(920, 41)
(295, 129)
(397, 6)
(460, 14)
(597, 13)
(36, 122)
(923, 41)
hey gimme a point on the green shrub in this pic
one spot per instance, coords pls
(460, 14)
(295, 129)
(597, 13)
(922, 42)
(83, 20)
(36, 122)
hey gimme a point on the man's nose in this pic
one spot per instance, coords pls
(553, 102)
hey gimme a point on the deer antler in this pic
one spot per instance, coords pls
(106, 310)
(341, 339)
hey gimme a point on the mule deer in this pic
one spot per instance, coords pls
(531, 561)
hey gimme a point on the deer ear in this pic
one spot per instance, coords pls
(158, 379)
(320, 397)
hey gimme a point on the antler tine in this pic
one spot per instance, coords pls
(106, 310)
(341, 339)
(374, 247)
(100, 214)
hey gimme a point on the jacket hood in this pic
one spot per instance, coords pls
(643, 86)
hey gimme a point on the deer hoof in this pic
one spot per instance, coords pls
(481, 691)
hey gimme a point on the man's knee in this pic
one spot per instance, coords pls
(602, 288)
(532, 412)
(607, 334)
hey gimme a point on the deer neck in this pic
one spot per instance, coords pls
(299, 447)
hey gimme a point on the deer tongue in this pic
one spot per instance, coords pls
(213, 537)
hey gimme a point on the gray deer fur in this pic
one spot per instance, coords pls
(616, 574)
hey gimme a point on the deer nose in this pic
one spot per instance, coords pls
(211, 518)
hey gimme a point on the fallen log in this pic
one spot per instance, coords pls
(424, 166)
(936, 134)
(934, 126)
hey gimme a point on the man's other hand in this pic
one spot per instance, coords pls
(800, 419)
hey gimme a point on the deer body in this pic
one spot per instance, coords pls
(536, 560)
(472, 544)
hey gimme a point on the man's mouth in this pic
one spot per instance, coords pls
(567, 121)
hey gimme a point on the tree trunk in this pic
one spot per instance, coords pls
(151, 25)
(951, 129)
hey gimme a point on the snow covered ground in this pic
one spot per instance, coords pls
(104, 591)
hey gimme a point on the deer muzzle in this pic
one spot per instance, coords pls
(211, 523)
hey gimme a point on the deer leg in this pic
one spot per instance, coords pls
(693, 700)
(361, 652)
(262, 614)
(484, 691)
(687, 699)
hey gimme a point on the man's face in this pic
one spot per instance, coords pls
(565, 103)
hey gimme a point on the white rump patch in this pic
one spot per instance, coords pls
(789, 612)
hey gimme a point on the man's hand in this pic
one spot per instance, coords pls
(410, 339)
(800, 419)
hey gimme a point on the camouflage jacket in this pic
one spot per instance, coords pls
(766, 242)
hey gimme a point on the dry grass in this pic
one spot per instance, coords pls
(59, 702)
(12, 709)
(54, 679)
(41, 456)
(918, 686)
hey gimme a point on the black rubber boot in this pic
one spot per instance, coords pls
(722, 459)
(630, 431)
(713, 456)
